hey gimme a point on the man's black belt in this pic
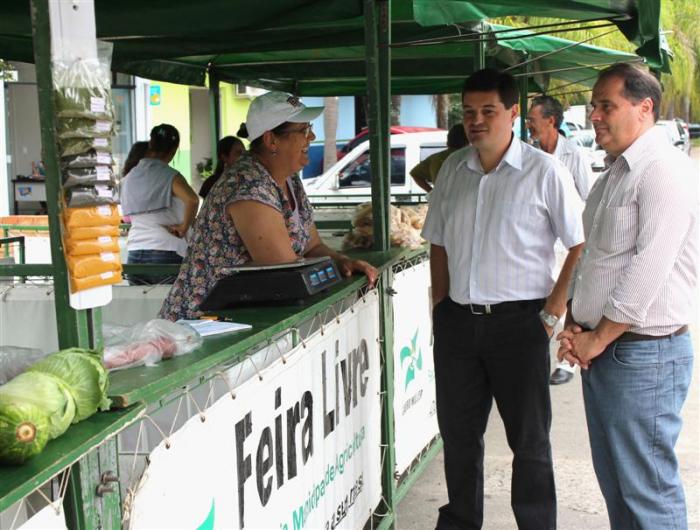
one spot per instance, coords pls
(503, 307)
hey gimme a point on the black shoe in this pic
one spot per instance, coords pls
(559, 377)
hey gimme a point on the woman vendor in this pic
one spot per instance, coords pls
(259, 212)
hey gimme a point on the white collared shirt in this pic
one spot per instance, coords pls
(575, 161)
(499, 228)
(640, 263)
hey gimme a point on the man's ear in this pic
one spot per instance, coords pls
(647, 106)
(514, 112)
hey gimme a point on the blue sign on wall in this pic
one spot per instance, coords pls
(154, 95)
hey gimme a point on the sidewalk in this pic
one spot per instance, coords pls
(580, 504)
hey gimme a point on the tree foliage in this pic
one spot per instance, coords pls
(678, 18)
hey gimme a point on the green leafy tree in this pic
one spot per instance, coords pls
(5, 70)
(678, 17)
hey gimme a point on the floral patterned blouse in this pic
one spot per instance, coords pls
(215, 243)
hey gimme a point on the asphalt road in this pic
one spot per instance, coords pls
(580, 504)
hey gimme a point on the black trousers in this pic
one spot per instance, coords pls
(478, 359)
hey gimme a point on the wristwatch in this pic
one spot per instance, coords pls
(549, 319)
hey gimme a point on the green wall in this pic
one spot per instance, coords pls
(233, 109)
(174, 108)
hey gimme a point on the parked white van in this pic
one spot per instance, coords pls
(350, 179)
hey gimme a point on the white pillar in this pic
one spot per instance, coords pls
(142, 110)
(4, 177)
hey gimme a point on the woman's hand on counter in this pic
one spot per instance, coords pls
(347, 266)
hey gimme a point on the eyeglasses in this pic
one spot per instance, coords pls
(306, 130)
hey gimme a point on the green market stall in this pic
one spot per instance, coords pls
(317, 47)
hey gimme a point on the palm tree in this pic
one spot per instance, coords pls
(330, 129)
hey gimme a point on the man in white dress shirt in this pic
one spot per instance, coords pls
(544, 119)
(633, 296)
(496, 211)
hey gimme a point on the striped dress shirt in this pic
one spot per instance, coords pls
(640, 262)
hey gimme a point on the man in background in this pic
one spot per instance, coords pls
(425, 173)
(543, 121)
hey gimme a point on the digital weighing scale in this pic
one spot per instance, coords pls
(255, 283)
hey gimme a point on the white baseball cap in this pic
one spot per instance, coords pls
(273, 109)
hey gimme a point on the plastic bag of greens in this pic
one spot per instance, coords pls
(85, 376)
(147, 343)
(91, 158)
(46, 392)
(24, 431)
(82, 86)
(76, 146)
(15, 360)
(79, 196)
(86, 176)
(84, 128)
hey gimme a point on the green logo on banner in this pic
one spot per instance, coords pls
(415, 360)
(208, 523)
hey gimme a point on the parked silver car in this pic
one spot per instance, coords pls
(676, 133)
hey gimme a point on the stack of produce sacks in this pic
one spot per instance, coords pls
(405, 224)
(91, 246)
(40, 404)
(84, 127)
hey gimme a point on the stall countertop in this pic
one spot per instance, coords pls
(19, 481)
(150, 384)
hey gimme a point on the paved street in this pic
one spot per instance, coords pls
(580, 504)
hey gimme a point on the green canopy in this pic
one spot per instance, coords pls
(639, 20)
(416, 69)
(316, 47)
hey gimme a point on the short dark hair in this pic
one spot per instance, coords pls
(223, 149)
(164, 138)
(638, 84)
(488, 79)
(551, 108)
(136, 153)
(456, 137)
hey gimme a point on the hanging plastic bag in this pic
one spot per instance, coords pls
(79, 196)
(14, 360)
(89, 176)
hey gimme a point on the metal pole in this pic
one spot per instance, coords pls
(524, 80)
(214, 114)
(72, 324)
(377, 37)
(481, 50)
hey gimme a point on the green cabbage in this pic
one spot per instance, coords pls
(24, 431)
(47, 393)
(85, 376)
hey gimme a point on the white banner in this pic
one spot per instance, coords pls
(299, 449)
(414, 373)
(48, 518)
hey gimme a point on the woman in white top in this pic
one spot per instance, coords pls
(161, 204)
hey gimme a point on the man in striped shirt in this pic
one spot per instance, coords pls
(633, 294)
